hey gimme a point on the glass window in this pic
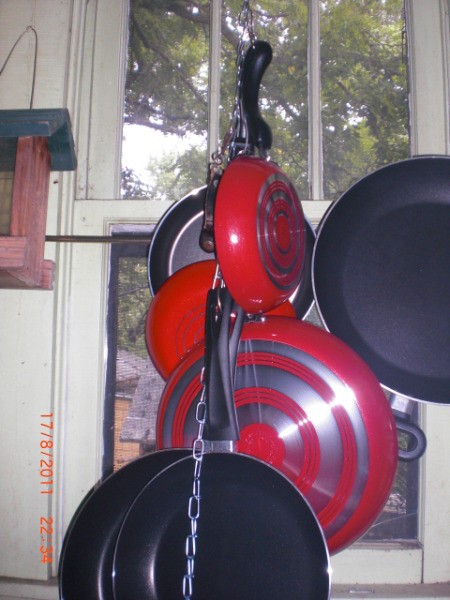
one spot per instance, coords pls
(363, 101)
(283, 97)
(133, 386)
(364, 89)
(166, 99)
(8, 149)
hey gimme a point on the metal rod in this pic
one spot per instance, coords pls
(214, 77)
(98, 239)
(315, 150)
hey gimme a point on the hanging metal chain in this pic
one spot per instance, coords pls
(198, 452)
(246, 38)
(245, 24)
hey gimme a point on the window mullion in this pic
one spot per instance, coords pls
(214, 76)
(315, 153)
(427, 28)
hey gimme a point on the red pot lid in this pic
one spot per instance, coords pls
(310, 407)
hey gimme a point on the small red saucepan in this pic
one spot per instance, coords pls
(175, 245)
(259, 233)
(309, 406)
(175, 320)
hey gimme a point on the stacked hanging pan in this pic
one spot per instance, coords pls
(142, 544)
(315, 435)
(381, 280)
(306, 404)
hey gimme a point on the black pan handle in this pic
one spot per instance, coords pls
(221, 422)
(206, 239)
(402, 408)
(257, 59)
(252, 130)
(417, 441)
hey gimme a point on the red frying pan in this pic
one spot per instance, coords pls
(259, 233)
(258, 224)
(309, 406)
(252, 217)
(175, 320)
(175, 244)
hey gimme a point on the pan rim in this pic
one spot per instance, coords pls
(274, 473)
(329, 215)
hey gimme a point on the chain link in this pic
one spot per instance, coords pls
(246, 38)
(199, 448)
(198, 452)
(245, 23)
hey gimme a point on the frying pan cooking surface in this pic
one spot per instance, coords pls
(175, 241)
(87, 556)
(381, 281)
(257, 536)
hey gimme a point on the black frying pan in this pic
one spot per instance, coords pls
(86, 561)
(175, 244)
(234, 488)
(256, 537)
(381, 275)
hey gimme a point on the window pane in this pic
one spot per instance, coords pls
(166, 92)
(364, 89)
(399, 519)
(133, 386)
(165, 113)
(138, 385)
(283, 95)
(8, 149)
(363, 77)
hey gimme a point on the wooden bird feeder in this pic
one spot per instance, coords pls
(32, 143)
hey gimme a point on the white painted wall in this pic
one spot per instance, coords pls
(27, 318)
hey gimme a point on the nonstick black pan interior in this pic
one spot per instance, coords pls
(257, 536)
(85, 570)
(381, 280)
(175, 244)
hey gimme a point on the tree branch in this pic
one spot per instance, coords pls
(174, 66)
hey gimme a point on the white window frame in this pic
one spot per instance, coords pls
(97, 207)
